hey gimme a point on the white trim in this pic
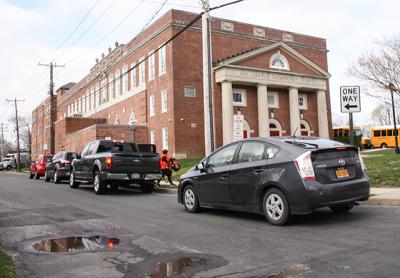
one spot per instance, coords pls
(242, 92)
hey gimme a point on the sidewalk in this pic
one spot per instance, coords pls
(384, 196)
(166, 188)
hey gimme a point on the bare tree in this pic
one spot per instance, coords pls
(380, 68)
(381, 115)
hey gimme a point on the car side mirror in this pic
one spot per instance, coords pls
(200, 166)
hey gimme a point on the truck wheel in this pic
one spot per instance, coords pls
(276, 207)
(72, 182)
(37, 176)
(147, 187)
(98, 185)
(56, 178)
(46, 176)
(342, 208)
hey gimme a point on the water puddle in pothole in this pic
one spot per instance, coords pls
(172, 268)
(75, 244)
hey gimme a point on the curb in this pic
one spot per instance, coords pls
(382, 202)
(164, 190)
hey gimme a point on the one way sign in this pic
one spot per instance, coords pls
(350, 99)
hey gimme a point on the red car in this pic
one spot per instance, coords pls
(38, 167)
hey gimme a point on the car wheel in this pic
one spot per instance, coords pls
(56, 178)
(46, 176)
(276, 208)
(384, 146)
(8, 167)
(72, 182)
(342, 208)
(190, 199)
(98, 185)
(147, 187)
(36, 176)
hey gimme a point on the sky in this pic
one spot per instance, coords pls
(39, 31)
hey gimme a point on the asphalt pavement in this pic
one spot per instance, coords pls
(158, 237)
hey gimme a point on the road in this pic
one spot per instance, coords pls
(153, 230)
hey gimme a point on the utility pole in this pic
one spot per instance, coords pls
(207, 80)
(17, 129)
(52, 106)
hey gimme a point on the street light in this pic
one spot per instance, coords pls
(392, 88)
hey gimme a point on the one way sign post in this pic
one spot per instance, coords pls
(350, 102)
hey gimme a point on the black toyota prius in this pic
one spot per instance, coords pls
(278, 177)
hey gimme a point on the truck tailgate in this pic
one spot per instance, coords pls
(135, 163)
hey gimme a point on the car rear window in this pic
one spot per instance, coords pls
(314, 143)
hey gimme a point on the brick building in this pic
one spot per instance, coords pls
(277, 80)
(41, 123)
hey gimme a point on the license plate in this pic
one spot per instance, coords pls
(135, 176)
(342, 173)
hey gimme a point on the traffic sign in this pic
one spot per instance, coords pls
(350, 99)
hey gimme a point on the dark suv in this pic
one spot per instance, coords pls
(277, 177)
(59, 167)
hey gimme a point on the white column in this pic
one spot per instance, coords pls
(263, 117)
(227, 112)
(294, 111)
(323, 128)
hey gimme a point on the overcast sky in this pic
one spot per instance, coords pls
(32, 31)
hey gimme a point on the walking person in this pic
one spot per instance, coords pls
(165, 163)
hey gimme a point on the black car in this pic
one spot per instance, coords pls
(277, 177)
(59, 167)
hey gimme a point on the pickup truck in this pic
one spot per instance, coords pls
(115, 163)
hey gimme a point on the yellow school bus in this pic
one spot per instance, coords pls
(383, 137)
(342, 134)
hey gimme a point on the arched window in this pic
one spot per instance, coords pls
(275, 128)
(278, 61)
(305, 129)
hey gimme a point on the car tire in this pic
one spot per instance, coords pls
(190, 199)
(56, 177)
(147, 187)
(384, 146)
(99, 186)
(8, 167)
(72, 182)
(36, 176)
(342, 208)
(46, 176)
(276, 208)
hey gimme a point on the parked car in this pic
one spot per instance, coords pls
(59, 167)
(115, 163)
(277, 177)
(37, 168)
(8, 163)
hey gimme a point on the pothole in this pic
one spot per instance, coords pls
(172, 268)
(75, 244)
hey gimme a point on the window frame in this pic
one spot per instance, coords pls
(305, 102)
(152, 106)
(164, 101)
(162, 60)
(242, 92)
(276, 99)
(165, 139)
(151, 65)
(189, 87)
(142, 71)
(133, 75)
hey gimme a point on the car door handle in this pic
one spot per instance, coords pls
(258, 171)
(224, 177)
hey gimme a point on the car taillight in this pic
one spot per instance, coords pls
(305, 167)
(108, 162)
(361, 160)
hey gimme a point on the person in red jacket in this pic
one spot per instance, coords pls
(165, 164)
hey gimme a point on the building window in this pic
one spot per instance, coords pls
(94, 97)
(303, 101)
(278, 61)
(152, 106)
(152, 137)
(164, 101)
(111, 86)
(162, 60)
(142, 71)
(125, 79)
(165, 138)
(190, 92)
(152, 65)
(273, 100)
(133, 75)
(239, 97)
(118, 82)
(103, 90)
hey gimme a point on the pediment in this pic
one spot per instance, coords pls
(277, 57)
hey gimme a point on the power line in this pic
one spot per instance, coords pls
(90, 27)
(187, 26)
(76, 28)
